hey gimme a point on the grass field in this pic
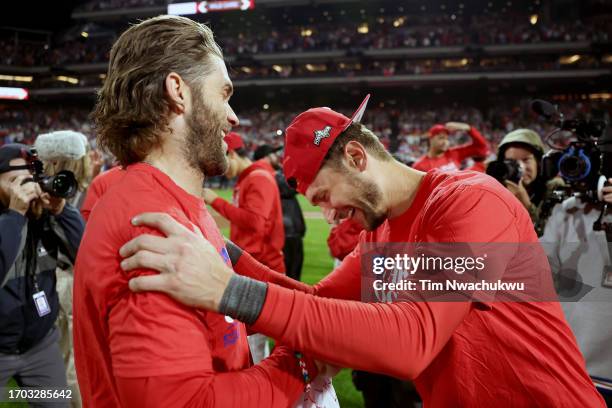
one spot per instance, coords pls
(317, 264)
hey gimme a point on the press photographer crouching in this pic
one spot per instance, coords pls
(35, 224)
(518, 167)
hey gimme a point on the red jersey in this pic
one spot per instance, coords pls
(256, 215)
(98, 187)
(343, 238)
(145, 349)
(453, 157)
(459, 354)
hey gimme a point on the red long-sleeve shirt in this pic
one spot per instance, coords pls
(98, 187)
(459, 354)
(453, 157)
(256, 216)
(343, 238)
(147, 350)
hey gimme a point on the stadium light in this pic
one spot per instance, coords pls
(566, 60)
(70, 80)
(20, 94)
(15, 78)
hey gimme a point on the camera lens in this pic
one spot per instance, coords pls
(64, 185)
(573, 167)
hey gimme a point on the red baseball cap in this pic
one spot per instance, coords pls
(233, 141)
(437, 129)
(309, 137)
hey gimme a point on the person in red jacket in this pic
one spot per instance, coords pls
(343, 238)
(441, 156)
(465, 353)
(256, 215)
(146, 349)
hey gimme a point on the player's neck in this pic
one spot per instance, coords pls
(400, 186)
(243, 164)
(434, 154)
(175, 166)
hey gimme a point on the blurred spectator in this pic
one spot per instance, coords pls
(293, 219)
(441, 156)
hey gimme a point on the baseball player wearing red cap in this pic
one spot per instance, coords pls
(256, 215)
(440, 156)
(460, 354)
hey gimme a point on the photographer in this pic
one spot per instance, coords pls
(525, 148)
(34, 227)
(579, 257)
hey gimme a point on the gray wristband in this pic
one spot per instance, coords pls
(243, 299)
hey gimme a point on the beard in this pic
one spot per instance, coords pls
(203, 146)
(368, 201)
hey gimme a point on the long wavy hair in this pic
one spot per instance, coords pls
(132, 110)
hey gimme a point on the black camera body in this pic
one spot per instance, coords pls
(584, 164)
(502, 170)
(61, 185)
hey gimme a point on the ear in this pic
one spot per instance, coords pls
(177, 92)
(356, 155)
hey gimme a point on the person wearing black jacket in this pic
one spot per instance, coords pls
(34, 228)
(293, 219)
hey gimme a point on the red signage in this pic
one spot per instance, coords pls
(203, 7)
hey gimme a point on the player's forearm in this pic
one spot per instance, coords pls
(246, 265)
(352, 334)
(478, 140)
(240, 217)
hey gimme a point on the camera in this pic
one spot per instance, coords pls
(61, 185)
(584, 164)
(502, 170)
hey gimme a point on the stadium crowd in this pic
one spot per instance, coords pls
(264, 126)
(384, 33)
